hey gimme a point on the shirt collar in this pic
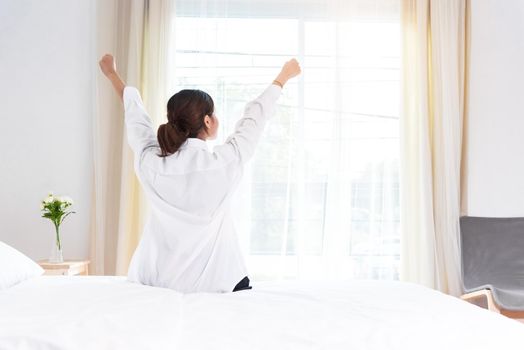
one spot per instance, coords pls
(195, 142)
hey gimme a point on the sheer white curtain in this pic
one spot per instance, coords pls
(139, 34)
(320, 199)
(434, 87)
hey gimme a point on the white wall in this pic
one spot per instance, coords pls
(496, 109)
(46, 93)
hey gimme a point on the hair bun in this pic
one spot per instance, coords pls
(181, 126)
(170, 138)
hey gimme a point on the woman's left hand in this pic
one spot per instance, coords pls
(107, 64)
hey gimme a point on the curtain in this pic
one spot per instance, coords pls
(320, 199)
(433, 104)
(139, 34)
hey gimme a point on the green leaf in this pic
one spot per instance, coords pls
(71, 212)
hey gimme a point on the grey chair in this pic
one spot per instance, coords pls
(493, 263)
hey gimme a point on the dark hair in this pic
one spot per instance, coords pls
(185, 118)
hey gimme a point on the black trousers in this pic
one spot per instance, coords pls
(243, 284)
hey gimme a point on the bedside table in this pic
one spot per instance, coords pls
(66, 268)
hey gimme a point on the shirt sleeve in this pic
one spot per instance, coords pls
(241, 144)
(139, 126)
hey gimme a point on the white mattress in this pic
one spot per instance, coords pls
(60, 312)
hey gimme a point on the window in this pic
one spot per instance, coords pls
(321, 196)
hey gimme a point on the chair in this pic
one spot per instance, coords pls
(493, 263)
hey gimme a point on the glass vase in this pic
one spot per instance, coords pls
(56, 250)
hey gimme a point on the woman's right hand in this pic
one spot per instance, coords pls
(290, 70)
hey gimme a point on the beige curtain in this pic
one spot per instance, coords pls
(139, 34)
(432, 122)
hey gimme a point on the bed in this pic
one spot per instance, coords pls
(103, 312)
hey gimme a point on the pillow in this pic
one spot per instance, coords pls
(15, 267)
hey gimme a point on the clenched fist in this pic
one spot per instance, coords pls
(108, 67)
(107, 64)
(290, 70)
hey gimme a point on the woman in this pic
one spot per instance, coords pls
(189, 242)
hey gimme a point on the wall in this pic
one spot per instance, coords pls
(496, 109)
(46, 91)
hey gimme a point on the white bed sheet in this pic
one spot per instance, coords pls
(92, 312)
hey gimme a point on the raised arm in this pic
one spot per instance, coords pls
(241, 144)
(139, 126)
(108, 66)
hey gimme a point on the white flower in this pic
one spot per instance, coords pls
(66, 199)
(42, 206)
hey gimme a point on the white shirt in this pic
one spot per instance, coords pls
(189, 242)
